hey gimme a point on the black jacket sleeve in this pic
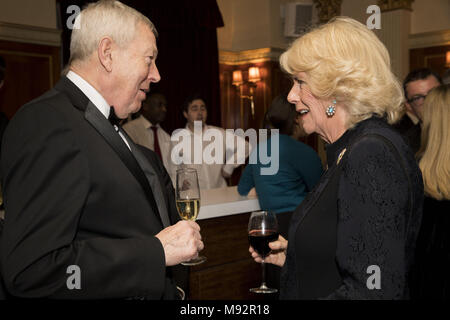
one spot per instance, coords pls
(373, 208)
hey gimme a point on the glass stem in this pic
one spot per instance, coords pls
(263, 266)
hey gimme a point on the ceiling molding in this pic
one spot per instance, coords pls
(327, 9)
(30, 34)
(389, 5)
(429, 39)
(249, 56)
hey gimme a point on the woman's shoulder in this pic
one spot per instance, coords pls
(433, 204)
(376, 136)
(380, 155)
(376, 149)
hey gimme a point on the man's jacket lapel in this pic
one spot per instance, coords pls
(104, 128)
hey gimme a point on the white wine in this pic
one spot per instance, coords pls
(188, 209)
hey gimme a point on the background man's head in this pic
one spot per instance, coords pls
(418, 83)
(154, 108)
(115, 51)
(194, 109)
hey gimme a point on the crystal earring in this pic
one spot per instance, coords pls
(331, 109)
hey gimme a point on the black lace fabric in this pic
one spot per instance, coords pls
(379, 197)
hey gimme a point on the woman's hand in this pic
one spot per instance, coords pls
(278, 254)
(252, 193)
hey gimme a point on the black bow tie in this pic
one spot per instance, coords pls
(115, 121)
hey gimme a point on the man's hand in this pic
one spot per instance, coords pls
(278, 254)
(181, 242)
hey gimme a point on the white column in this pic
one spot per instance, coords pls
(394, 33)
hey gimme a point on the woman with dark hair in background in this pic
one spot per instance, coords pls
(431, 278)
(299, 166)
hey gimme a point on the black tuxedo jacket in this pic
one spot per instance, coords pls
(76, 195)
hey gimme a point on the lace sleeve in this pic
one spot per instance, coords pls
(371, 231)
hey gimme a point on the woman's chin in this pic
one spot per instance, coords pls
(308, 130)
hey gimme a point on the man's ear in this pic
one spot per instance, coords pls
(104, 53)
(185, 114)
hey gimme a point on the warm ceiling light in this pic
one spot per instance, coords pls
(253, 74)
(237, 77)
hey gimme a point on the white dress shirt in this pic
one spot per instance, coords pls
(94, 96)
(210, 175)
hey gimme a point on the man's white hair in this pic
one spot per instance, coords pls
(109, 18)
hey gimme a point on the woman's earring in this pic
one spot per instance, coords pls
(331, 109)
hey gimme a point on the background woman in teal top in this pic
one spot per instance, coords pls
(299, 165)
(299, 170)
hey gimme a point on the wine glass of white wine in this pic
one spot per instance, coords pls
(188, 201)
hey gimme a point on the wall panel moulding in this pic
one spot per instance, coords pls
(249, 56)
(30, 34)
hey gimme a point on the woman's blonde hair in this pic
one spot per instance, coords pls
(104, 18)
(434, 152)
(347, 62)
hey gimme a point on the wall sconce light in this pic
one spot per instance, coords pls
(447, 60)
(253, 78)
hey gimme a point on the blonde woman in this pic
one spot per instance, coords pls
(430, 279)
(353, 236)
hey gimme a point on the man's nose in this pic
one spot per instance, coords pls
(154, 75)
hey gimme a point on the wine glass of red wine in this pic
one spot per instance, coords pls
(262, 229)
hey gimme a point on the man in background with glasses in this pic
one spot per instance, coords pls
(416, 86)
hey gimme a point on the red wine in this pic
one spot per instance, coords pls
(259, 240)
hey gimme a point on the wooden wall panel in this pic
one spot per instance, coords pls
(30, 71)
(430, 57)
(236, 113)
(229, 271)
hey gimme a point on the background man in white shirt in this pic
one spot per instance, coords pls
(144, 129)
(213, 175)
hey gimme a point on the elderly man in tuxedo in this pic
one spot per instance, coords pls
(88, 213)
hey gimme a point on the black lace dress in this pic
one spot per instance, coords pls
(353, 237)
